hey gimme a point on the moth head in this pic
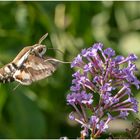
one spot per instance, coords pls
(39, 50)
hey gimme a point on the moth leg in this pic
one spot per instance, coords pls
(16, 86)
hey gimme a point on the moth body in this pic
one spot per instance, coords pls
(29, 65)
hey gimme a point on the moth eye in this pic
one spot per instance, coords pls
(40, 50)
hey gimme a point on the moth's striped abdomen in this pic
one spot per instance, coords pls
(6, 73)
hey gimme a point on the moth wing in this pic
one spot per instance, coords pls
(34, 69)
(22, 56)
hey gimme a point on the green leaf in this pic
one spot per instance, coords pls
(26, 119)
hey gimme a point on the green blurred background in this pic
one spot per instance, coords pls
(40, 110)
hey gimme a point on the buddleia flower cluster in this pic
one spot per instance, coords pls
(101, 89)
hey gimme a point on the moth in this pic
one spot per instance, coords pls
(29, 65)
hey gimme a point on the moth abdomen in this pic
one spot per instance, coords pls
(6, 73)
(8, 79)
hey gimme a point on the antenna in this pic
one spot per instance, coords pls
(55, 49)
(42, 38)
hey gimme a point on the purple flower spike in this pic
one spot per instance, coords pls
(101, 86)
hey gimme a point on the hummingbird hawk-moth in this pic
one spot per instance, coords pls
(29, 65)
